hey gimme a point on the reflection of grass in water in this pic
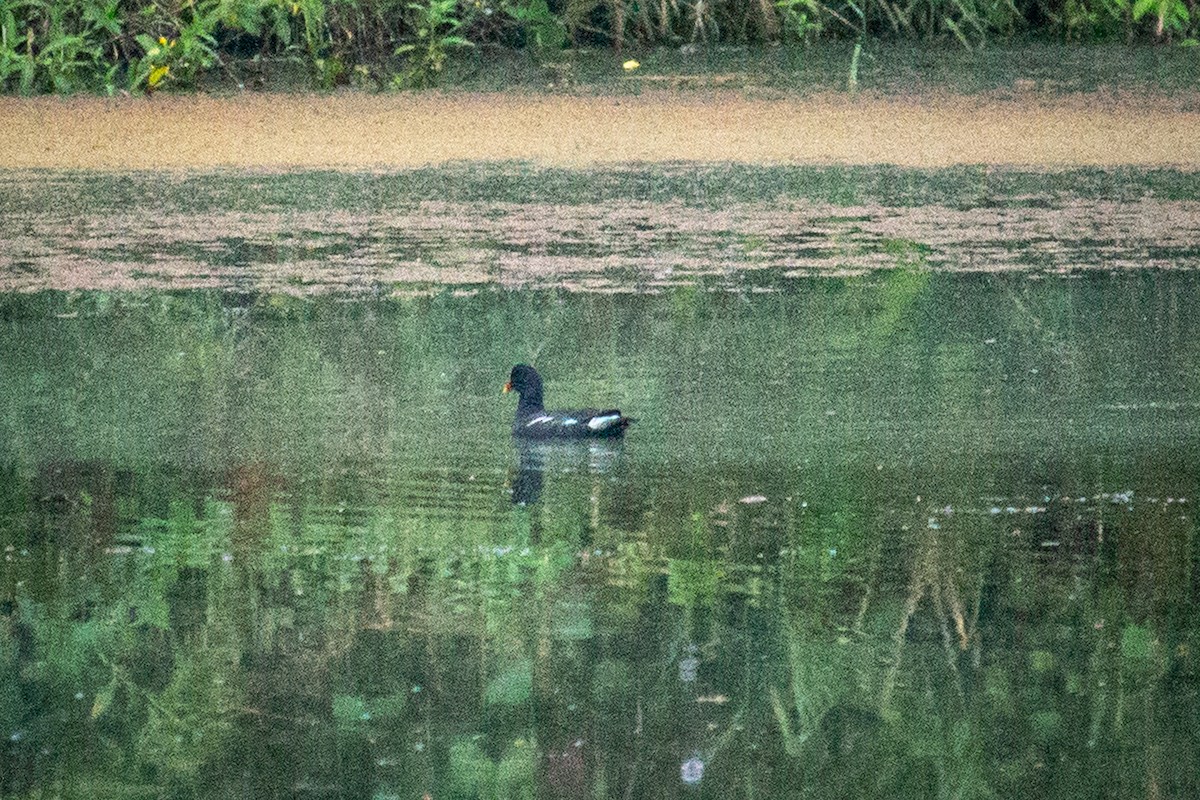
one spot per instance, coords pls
(948, 722)
(965, 667)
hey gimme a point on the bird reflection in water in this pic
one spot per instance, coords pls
(537, 458)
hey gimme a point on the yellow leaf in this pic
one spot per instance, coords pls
(157, 74)
(630, 65)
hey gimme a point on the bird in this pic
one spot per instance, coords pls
(533, 421)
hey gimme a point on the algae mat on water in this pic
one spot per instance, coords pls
(621, 228)
(406, 131)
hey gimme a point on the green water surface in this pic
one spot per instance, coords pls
(890, 523)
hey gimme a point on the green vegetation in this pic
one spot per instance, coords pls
(435, 25)
(65, 46)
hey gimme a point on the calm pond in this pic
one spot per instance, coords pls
(908, 510)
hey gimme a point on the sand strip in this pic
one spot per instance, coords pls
(399, 131)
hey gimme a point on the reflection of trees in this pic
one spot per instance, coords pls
(277, 637)
(1052, 673)
(935, 572)
(957, 658)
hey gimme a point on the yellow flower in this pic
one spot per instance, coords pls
(162, 40)
(630, 65)
(156, 75)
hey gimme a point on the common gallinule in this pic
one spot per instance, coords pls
(535, 422)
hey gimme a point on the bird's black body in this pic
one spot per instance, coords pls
(533, 421)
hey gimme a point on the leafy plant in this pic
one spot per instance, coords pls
(57, 45)
(179, 59)
(66, 46)
(329, 71)
(279, 25)
(544, 30)
(1096, 19)
(14, 62)
(312, 15)
(1171, 16)
(435, 24)
(800, 19)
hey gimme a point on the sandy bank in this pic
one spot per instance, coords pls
(409, 130)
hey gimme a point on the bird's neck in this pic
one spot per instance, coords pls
(530, 403)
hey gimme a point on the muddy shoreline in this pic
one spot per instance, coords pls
(401, 131)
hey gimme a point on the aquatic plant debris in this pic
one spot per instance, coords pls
(76, 231)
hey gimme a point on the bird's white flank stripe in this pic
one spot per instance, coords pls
(597, 423)
(570, 421)
(538, 421)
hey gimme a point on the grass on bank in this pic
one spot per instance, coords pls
(108, 46)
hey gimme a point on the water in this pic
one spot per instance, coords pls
(1024, 66)
(908, 510)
